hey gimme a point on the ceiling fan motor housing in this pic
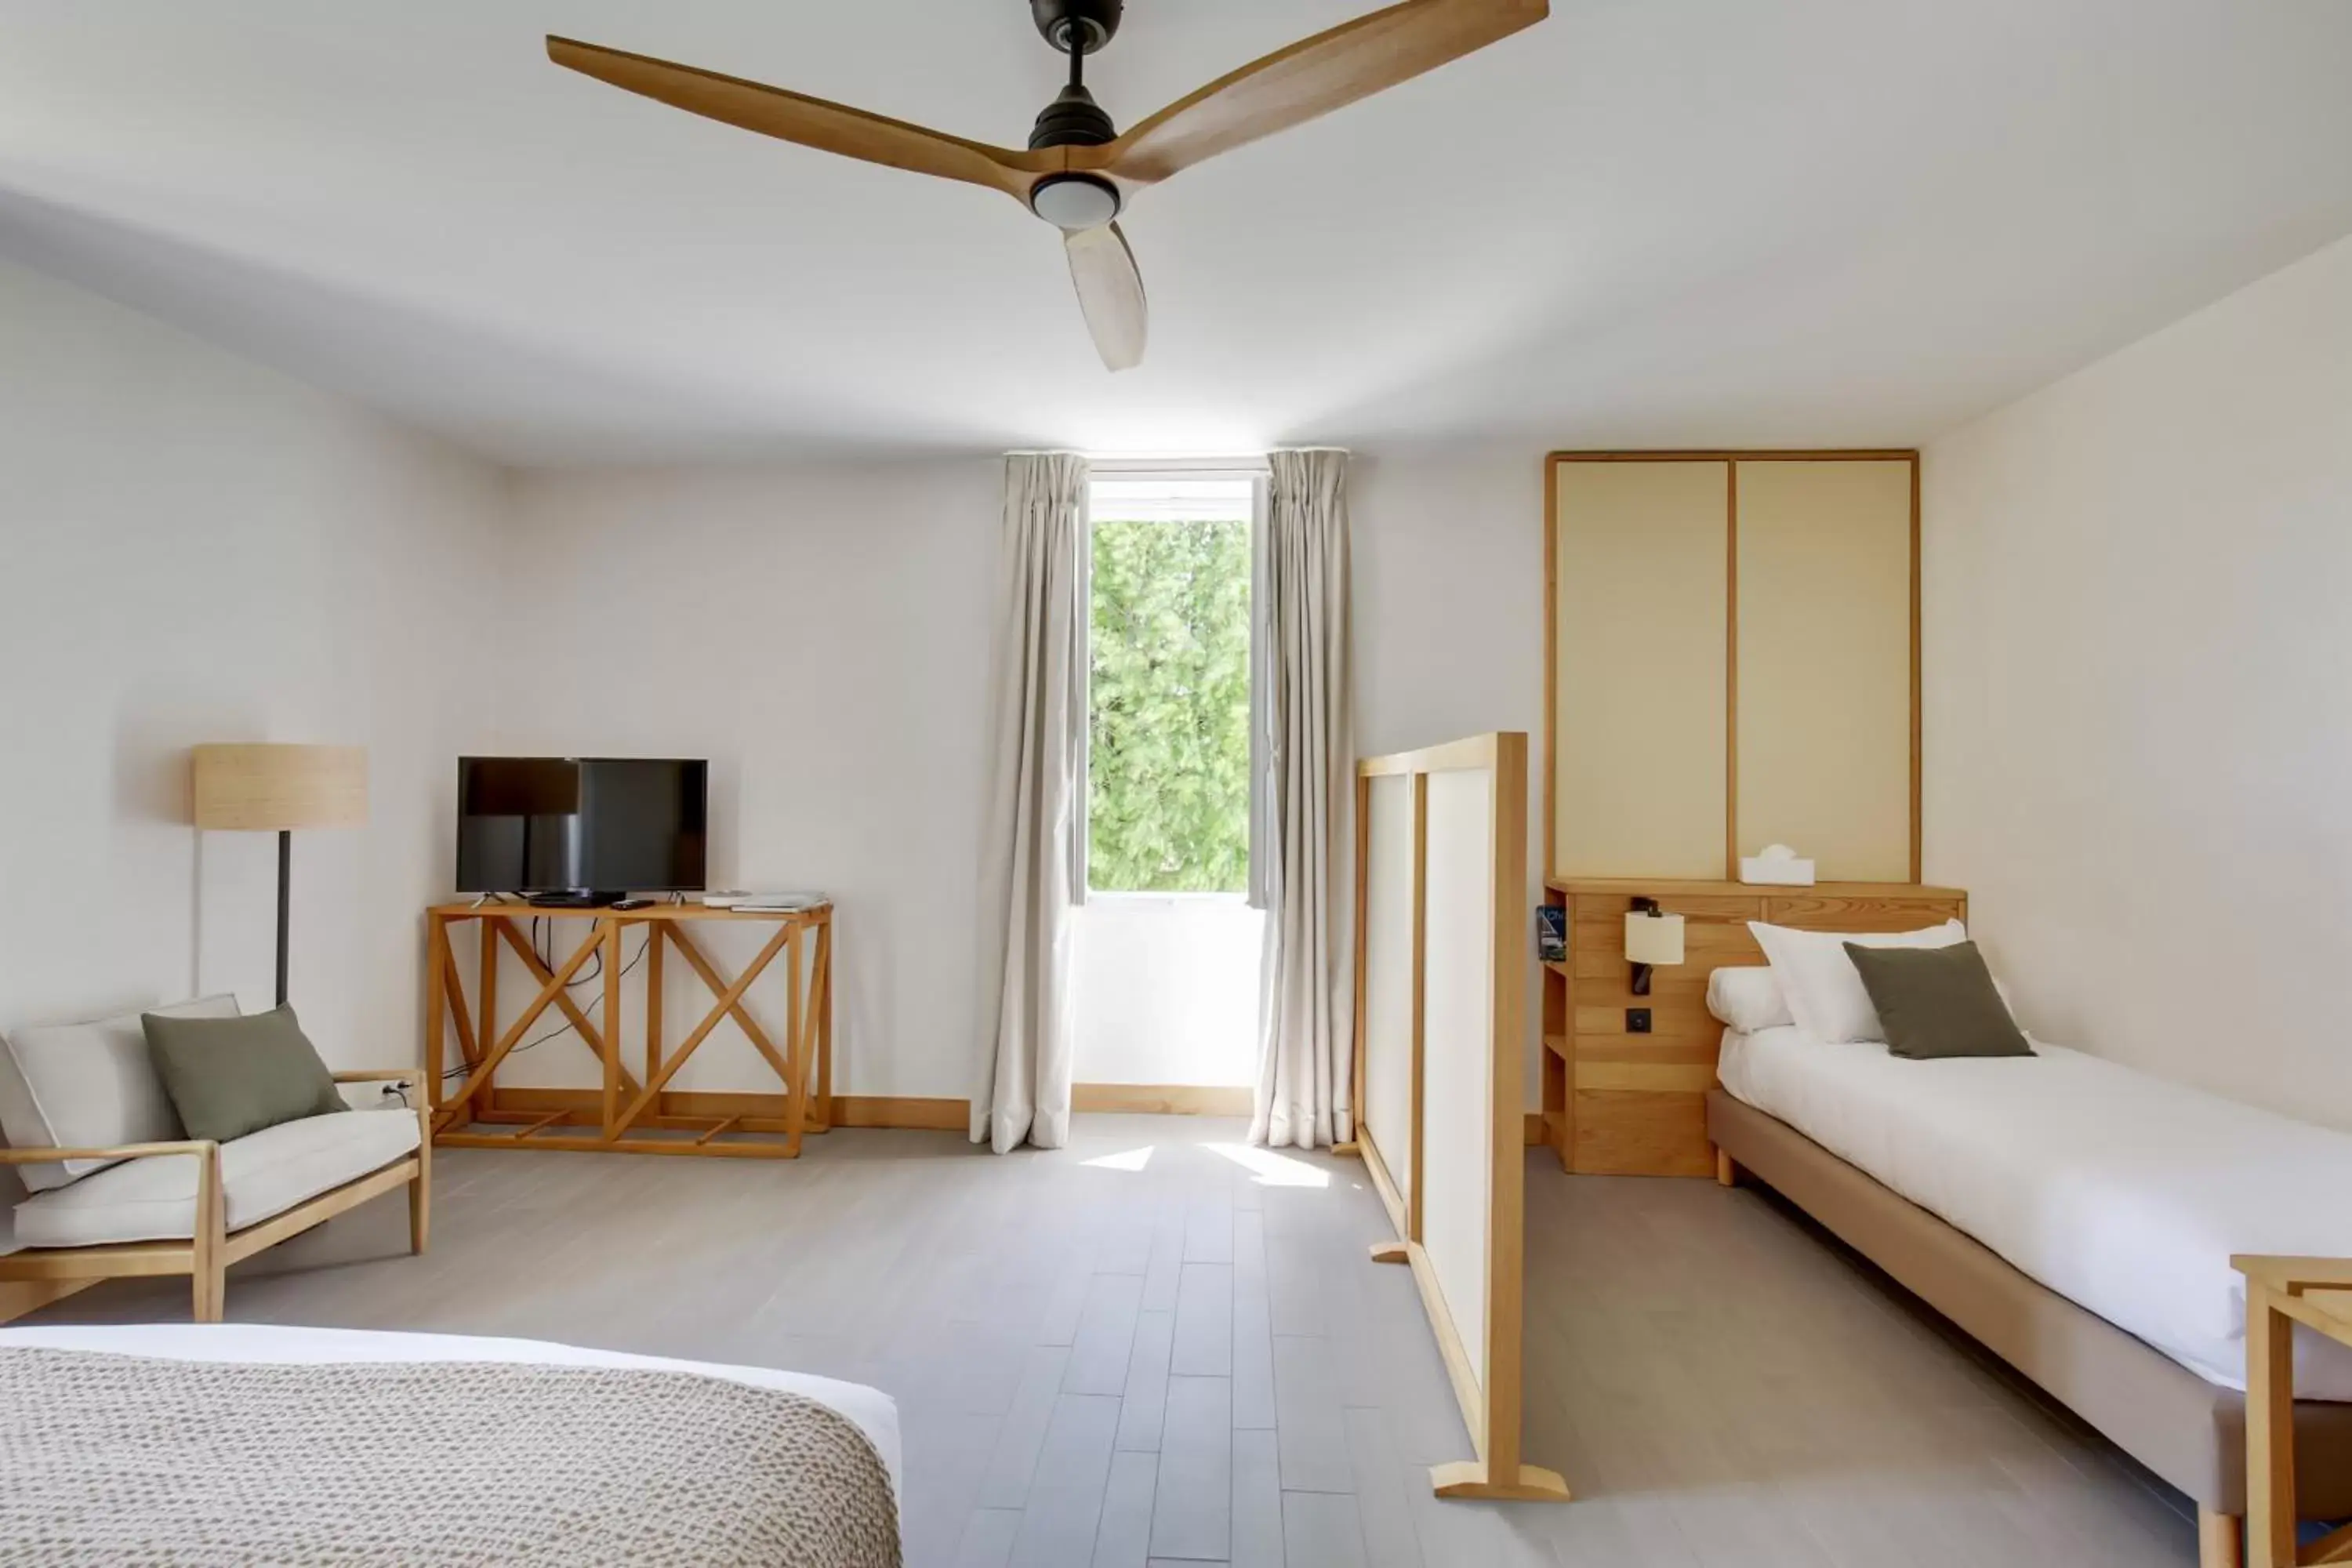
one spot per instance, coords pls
(1073, 120)
(1092, 22)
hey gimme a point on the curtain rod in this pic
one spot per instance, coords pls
(1250, 464)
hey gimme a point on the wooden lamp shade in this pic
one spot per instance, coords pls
(274, 789)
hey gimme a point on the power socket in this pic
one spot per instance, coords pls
(1637, 1020)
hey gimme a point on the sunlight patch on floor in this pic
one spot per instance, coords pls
(1272, 1170)
(1131, 1160)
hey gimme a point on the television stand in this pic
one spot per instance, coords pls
(625, 1113)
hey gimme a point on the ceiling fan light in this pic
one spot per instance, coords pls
(1075, 203)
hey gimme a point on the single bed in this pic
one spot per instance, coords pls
(2125, 1193)
(514, 1451)
(2076, 1217)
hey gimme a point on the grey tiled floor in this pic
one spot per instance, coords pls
(1155, 1346)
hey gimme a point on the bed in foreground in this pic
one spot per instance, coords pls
(2040, 1204)
(248, 1443)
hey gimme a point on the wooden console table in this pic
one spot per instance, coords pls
(618, 1116)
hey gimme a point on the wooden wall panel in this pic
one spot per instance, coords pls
(1824, 665)
(1391, 972)
(1637, 1100)
(1624, 1134)
(1640, 562)
(1731, 658)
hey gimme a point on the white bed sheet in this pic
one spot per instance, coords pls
(2125, 1193)
(875, 1411)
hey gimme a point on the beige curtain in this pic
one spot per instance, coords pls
(1029, 864)
(1307, 1015)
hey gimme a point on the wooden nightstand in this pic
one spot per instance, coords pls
(2280, 1293)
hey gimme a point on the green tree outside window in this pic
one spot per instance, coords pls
(1168, 792)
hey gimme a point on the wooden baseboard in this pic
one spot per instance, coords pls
(907, 1111)
(848, 1110)
(19, 1298)
(886, 1110)
(1161, 1098)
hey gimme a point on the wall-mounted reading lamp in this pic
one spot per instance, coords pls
(1652, 937)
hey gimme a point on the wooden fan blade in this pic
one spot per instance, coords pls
(810, 122)
(1110, 291)
(1309, 79)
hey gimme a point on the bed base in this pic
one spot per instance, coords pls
(2187, 1430)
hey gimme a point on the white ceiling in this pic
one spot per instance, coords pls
(1646, 222)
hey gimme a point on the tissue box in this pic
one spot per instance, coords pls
(1776, 873)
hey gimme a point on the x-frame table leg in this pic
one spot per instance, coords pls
(730, 1002)
(591, 1034)
(752, 1032)
(821, 1009)
(549, 991)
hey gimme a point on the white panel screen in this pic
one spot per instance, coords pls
(1458, 1048)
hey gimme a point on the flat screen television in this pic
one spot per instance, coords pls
(586, 828)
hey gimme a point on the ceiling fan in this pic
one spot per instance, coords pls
(1078, 169)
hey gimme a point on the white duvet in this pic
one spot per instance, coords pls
(876, 1414)
(2125, 1193)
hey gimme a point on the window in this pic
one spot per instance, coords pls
(1169, 753)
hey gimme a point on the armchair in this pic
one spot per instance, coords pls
(147, 1213)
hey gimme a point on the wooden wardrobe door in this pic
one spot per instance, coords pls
(1824, 683)
(1640, 562)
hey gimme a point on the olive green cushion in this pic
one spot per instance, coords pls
(1938, 1002)
(229, 1077)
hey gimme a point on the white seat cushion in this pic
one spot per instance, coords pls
(264, 1173)
(87, 1086)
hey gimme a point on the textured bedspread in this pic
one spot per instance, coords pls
(122, 1459)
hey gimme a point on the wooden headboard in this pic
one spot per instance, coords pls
(1620, 1103)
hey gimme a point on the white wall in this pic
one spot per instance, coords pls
(1165, 990)
(854, 761)
(200, 549)
(851, 757)
(197, 549)
(821, 635)
(1449, 611)
(2139, 623)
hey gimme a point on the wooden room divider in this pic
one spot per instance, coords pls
(1441, 937)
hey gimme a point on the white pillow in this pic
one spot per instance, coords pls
(1748, 999)
(1824, 990)
(87, 1086)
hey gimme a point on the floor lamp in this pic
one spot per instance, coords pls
(276, 789)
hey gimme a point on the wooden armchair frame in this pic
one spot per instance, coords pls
(55, 1273)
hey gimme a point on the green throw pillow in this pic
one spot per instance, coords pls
(230, 1077)
(1938, 1002)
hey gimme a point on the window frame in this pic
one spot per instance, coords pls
(1258, 473)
